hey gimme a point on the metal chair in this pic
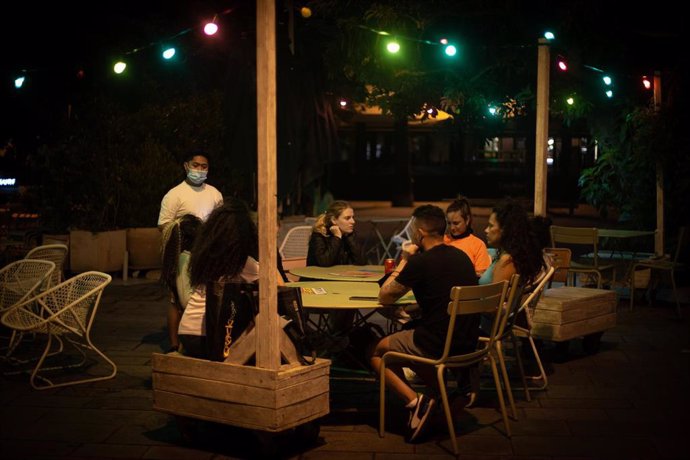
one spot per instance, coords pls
(525, 331)
(559, 259)
(465, 300)
(397, 241)
(582, 236)
(662, 264)
(295, 245)
(56, 253)
(66, 311)
(19, 281)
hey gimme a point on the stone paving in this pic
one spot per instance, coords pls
(628, 401)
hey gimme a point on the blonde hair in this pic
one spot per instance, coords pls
(325, 220)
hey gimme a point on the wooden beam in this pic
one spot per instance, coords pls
(267, 349)
(659, 237)
(542, 131)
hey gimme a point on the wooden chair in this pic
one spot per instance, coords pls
(466, 300)
(582, 236)
(662, 264)
(56, 253)
(66, 311)
(560, 261)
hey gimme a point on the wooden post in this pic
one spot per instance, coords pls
(267, 348)
(542, 131)
(659, 237)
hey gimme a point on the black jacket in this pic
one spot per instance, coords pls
(326, 251)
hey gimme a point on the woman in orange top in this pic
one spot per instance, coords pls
(459, 234)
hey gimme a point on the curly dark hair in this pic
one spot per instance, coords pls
(225, 241)
(518, 240)
(178, 236)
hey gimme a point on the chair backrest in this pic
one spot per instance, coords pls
(530, 302)
(680, 246)
(582, 236)
(403, 235)
(296, 242)
(22, 279)
(511, 306)
(467, 300)
(56, 253)
(560, 261)
(69, 306)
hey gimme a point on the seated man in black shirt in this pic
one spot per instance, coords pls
(430, 268)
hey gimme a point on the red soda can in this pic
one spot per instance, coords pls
(388, 265)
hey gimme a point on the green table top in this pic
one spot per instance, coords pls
(370, 273)
(338, 295)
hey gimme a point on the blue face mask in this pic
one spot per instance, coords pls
(196, 177)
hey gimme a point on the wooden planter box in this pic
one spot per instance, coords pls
(566, 312)
(101, 251)
(143, 250)
(239, 395)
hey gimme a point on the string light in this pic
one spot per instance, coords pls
(305, 11)
(393, 47)
(119, 67)
(169, 53)
(646, 82)
(19, 81)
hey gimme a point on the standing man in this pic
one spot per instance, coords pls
(430, 268)
(191, 196)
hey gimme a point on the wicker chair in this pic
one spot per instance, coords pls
(65, 312)
(19, 281)
(56, 253)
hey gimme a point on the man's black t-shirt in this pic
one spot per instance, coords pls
(431, 275)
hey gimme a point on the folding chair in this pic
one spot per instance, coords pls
(527, 308)
(66, 311)
(583, 237)
(487, 299)
(559, 259)
(397, 241)
(663, 264)
(56, 253)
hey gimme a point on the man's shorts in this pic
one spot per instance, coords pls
(403, 342)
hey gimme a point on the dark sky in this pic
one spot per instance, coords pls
(53, 40)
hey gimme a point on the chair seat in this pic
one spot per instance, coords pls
(661, 264)
(575, 266)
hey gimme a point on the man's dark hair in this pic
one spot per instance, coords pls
(430, 218)
(193, 153)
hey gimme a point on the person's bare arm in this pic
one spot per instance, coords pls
(391, 289)
(505, 268)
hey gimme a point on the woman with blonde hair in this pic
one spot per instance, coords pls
(332, 241)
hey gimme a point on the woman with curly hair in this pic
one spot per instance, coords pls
(225, 250)
(332, 240)
(517, 248)
(178, 237)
